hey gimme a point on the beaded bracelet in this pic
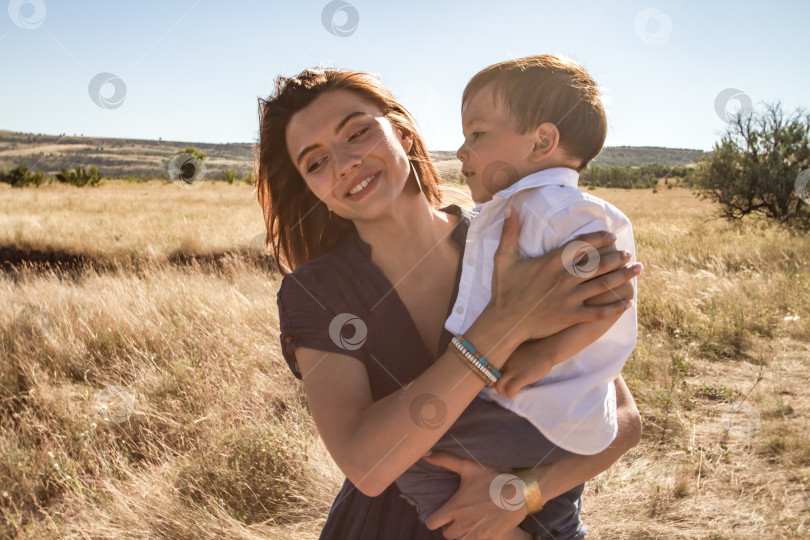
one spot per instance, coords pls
(478, 357)
(465, 350)
(477, 367)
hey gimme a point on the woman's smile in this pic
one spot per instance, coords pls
(362, 186)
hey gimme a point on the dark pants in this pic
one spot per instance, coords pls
(493, 435)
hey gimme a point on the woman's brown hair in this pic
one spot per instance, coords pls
(298, 224)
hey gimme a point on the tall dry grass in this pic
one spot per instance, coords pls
(215, 439)
(148, 399)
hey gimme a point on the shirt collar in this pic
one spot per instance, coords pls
(557, 176)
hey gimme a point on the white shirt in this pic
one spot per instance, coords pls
(574, 406)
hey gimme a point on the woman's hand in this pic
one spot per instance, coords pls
(534, 360)
(535, 298)
(472, 512)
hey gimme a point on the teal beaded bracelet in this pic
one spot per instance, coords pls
(469, 358)
(478, 357)
(476, 362)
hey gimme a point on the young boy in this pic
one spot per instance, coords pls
(530, 126)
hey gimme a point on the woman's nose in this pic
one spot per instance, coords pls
(346, 162)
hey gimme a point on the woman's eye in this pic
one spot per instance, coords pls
(312, 167)
(476, 134)
(358, 133)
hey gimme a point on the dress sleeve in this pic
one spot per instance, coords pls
(307, 318)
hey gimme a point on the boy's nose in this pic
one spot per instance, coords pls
(461, 153)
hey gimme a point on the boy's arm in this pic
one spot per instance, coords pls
(532, 361)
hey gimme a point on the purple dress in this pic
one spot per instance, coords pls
(341, 302)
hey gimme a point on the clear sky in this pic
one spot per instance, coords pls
(192, 70)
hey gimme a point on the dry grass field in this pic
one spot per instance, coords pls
(144, 395)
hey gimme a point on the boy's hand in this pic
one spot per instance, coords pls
(528, 364)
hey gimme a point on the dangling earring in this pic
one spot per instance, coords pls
(416, 176)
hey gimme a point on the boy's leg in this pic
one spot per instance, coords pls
(497, 436)
(427, 487)
(559, 519)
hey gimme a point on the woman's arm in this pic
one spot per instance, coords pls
(472, 506)
(375, 442)
(534, 360)
(556, 478)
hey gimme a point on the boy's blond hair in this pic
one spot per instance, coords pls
(549, 88)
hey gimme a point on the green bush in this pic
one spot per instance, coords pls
(644, 177)
(21, 177)
(754, 166)
(80, 177)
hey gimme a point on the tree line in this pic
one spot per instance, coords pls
(760, 166)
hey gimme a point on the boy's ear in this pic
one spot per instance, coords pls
(546, 140)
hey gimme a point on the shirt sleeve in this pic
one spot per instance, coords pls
(579, 214)
(306, 319)
(584, 214)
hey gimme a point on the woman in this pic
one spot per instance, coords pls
(351, 201)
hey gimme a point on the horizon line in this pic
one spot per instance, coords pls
(161, 140)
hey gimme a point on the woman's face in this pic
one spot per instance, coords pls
(349, 154)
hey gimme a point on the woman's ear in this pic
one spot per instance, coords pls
(546, 141)
(406, 138)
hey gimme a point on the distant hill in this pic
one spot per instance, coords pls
(635, 156)
(115, 157)
(149, 158)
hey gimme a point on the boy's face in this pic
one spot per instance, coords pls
(494, 154)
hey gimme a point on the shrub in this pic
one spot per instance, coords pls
(21, 177)
(80, 177)
(754, 167)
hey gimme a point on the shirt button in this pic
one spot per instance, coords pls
(470, 261)
(460, 310)
(289, 339)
